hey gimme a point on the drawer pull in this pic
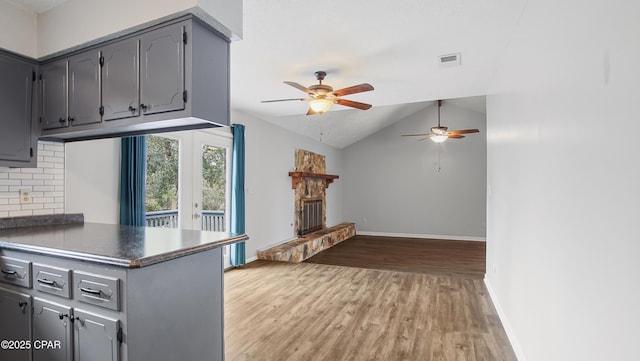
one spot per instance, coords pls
(47, 282)
(91, 291)
(9, 272)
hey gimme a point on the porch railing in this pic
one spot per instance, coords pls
(211, 220)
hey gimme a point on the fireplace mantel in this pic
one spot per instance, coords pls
(296, 177)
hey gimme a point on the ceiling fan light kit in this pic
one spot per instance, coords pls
(439, 134)
(322, 96)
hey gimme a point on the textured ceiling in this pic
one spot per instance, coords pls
(36, 6)
(394, 46)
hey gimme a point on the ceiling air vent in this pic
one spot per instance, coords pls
(449, 60)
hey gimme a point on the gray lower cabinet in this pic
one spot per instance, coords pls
(73, 310)
(95, 337)
(18, 138)
(52, 322)
(15, 313)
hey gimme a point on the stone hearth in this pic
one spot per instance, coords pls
(309, 245)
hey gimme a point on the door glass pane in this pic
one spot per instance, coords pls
(162, 182)
(214, 171)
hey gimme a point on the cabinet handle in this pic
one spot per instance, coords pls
(9, 272)
(132, 109)
(71, 119)
(143, 107)
(22, 304)
(91, 291)
(46, 281)
(61, 120)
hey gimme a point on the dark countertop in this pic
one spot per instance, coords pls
(112, 244)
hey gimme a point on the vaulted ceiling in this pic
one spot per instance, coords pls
(393, 45)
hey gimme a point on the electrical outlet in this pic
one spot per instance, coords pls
(25, 197)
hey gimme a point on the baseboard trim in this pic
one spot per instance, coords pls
(251, 259)
(515, 344)
(411, 235)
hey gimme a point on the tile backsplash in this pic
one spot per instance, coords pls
(45, 184)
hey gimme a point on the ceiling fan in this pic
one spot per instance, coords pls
(439, 134)
(322, 96)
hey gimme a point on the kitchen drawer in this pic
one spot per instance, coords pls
(15, 271)
(53, 280)
(97, 290)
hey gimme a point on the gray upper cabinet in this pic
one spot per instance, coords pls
(84, 88)
(53, 95)
(162, 84)
(168, 77)
(120, 80)
(18, 141)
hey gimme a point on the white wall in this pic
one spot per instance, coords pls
(92, 174)
(396, 185)
(563, 182)
(270, 156)
(17, 29)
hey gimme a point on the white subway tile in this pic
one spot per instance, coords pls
(9, 195)
(59, 155)
(10, 182)
(54, 194)
(43, 176)
(14, 200)
(4, 188)
(32, 182)
(45, 165)
(58, 165)
(53, 171)
(20, 176)
(39, 212)
(31, 170)
(18, 188)
(4, 169)
(59, 211)
(20, 213)
(9, 207)
(32, 206)
(54, 182)
(4, 213)
(53, 205)
(59, 199)
(60, 189)
(35, 194)
(59, 177)
(56, 147)
(53, 159)
(46, 153)
(44, 189)
(43, 200)
(14, 170)
(4, 201)
(4, 175)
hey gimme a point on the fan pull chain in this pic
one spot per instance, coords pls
(439, 163)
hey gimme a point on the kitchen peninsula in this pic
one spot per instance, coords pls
(113, 292)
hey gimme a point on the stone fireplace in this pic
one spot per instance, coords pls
(310, 181)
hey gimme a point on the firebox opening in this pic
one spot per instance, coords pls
(312, 217)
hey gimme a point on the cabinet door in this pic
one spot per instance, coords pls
(84, 88)
(120, 80)
(96, 337)
(16, 93)
(53, 95)
(162, 69)
(52, 322)
(15, 313)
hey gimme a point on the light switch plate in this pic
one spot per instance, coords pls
(25, 197)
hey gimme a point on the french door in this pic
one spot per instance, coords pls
(203, 180)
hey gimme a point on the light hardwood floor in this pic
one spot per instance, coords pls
(284, 311)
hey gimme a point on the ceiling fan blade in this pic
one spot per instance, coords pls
(311, 112)
(365, 87)
(464, 131)
(455, 136)
(281, 100)
(417, 135)
(351, 103)
(299, 87)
